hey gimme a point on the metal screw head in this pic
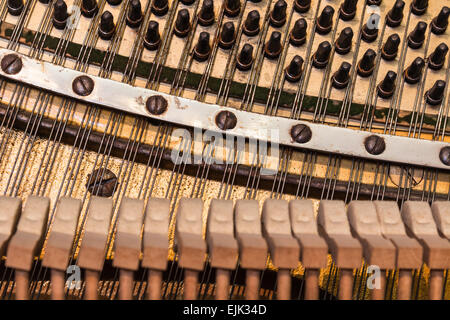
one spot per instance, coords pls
(83, 85)
(156, 105)
(444, 155)
(11, 64)
(301, 133)
(102, 182)
(226, 120)
(375, 145)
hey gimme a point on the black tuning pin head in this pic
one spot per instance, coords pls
(302, 6)
(414, 71)
(272, 48)
(202, 50)
(395, 15)
(435, 95)
(251, 25)
(15, 7)
(227, 36)
(232, 8)
(341, 77)
(374, 2)
(152, 38)
(367, 63)
(419, 7)
(182, 24)
(370, 30)
(386, 87)
(114, 2)
(134, 16)
(390, 47)
(437, 58)
(245, 58)
(322, 55)
(107, 27)
(187, 2)
(60, 14)
(440, 23)
(344, 41)
(347, 10)
(206, 14)
(278, 14)
(297, 37)
(293, 72)
(160, 7)
(417, 36)
(324, 22)
(89, 8)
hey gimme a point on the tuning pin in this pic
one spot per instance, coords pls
(152, 38)
(297, 36)
(160, 7)
(134, 16)
(278, 14)
(187, 2)
(395, 15)
(89, 8)
(414, 71)
(390, 48)
(370, 30)
(227, 36)
(60, 14)
(114, 2)
(341, 77)
(347, 10)
(293, 72)
(273, 47)
(15, 7)
(419, 7)
(182, 24)
(322, 55)
(440, 23)
(325, 20)
(202, 49)
(417, 36)
(232, 8)
(344, 42)
(387, 86)
(245, 58)
(435, 95)
(302, 6)
(367, 63)
(206, 14)
(107, 27)
(251, 25)
(437, 58)
(374, 2)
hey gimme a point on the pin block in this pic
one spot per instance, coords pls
(9, 215)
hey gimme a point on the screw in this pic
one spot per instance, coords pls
(444, 155)
(156, 105)
(83, 85)
(11, 64)
(375, 145)
(226, 120)
(301, 133)
(102, 182)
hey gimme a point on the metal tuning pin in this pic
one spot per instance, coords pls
(341, 77)
(390, 48)
(367, 63)
(232, 8)
(278, 14)
(152, 38)
(374, 2)
(297, 37)
(89, 8)
(227, 36)
(251, 25)
(15, 7)
(344, 41)
(347, 10)
(395, 15)
(273, 47)
(370, 30)
(114, 2)
(435, 95)
(386, 87)
(244, 60)
(134, 16)
(107, 27)
(324, 22)
(417, 36)
(322, 55)
(160, 7)
(206, 14)
(187, 2)
(302, 6)
(294, 71)
(419, 7)
(440, 23)
(202, 50)
(437, 58)
(182, 24)
(60, 14)
(414, 71)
